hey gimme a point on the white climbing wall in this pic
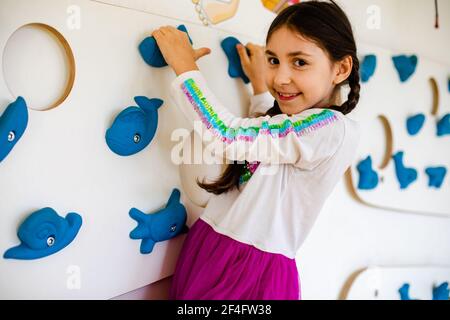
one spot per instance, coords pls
(63, 162)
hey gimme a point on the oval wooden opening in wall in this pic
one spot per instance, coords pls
(435, 91)
(38, 64)
(388, 142)
(381, 129)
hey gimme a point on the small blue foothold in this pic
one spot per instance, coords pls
(443, 126)
(405, 66)
(150, 52)
(435, 176)
(441, 292)
(368, 66)
(415, 123)
(404, 292)
(405, 175)
(368, 178)
(234, 62)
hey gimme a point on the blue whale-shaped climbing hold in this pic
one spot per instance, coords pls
(435, 176)
(404, 175)
(43, 233)
(235, 69)
(443, 125)
(161, 225)
(441, 292)
(368, 178)
(368, 66)
(415, 123)
(150, 52)
(13, 123)
(134, 127)
(405, 66)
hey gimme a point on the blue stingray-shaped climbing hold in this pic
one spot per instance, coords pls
(161, 225)
(404, 175)
(405, 66)
(441, 292)
(443, 125)
(368, 66)
(43, 233)
(368, 178)
(234, 62)
(13, 123)
(435, 176)
(150, 52)
(404, 292)
(134, 127)
(415, 123)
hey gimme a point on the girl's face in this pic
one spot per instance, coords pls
(300, 74)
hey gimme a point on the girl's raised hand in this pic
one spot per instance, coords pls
(254, 65)
(177, 50)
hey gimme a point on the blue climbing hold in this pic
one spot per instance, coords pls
(13, 123)
(415, 123)
(234, 62)
(43, 233)
(368, 66)
(405, 66)
(405, 175)
(435, 176)
(368, 178)
(404, 292)
(443, 125)
(134, 128)
(441, 292)
(162, 225)
(150, 52)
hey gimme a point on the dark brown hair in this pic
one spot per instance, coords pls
(328, 26)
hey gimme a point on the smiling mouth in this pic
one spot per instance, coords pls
(287, 96)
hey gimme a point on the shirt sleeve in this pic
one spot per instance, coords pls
(260, 103)
(305, 139)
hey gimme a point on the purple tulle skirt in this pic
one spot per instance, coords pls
(212, 266)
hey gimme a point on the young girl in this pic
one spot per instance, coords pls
(286, 162)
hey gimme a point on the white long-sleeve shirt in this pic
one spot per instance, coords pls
(302, 157)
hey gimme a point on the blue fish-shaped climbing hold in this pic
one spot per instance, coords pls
(435, 176)
(150, 52)
(405, 176)
(443, 125)
(161, 225)
(368, 66)
(368, 178)
(405, 66)
(415, 123)
(441, 292)
(13, 123)
(134, 128)
(234, 62)
(43, 233)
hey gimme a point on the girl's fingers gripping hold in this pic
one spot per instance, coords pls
(243, 55)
